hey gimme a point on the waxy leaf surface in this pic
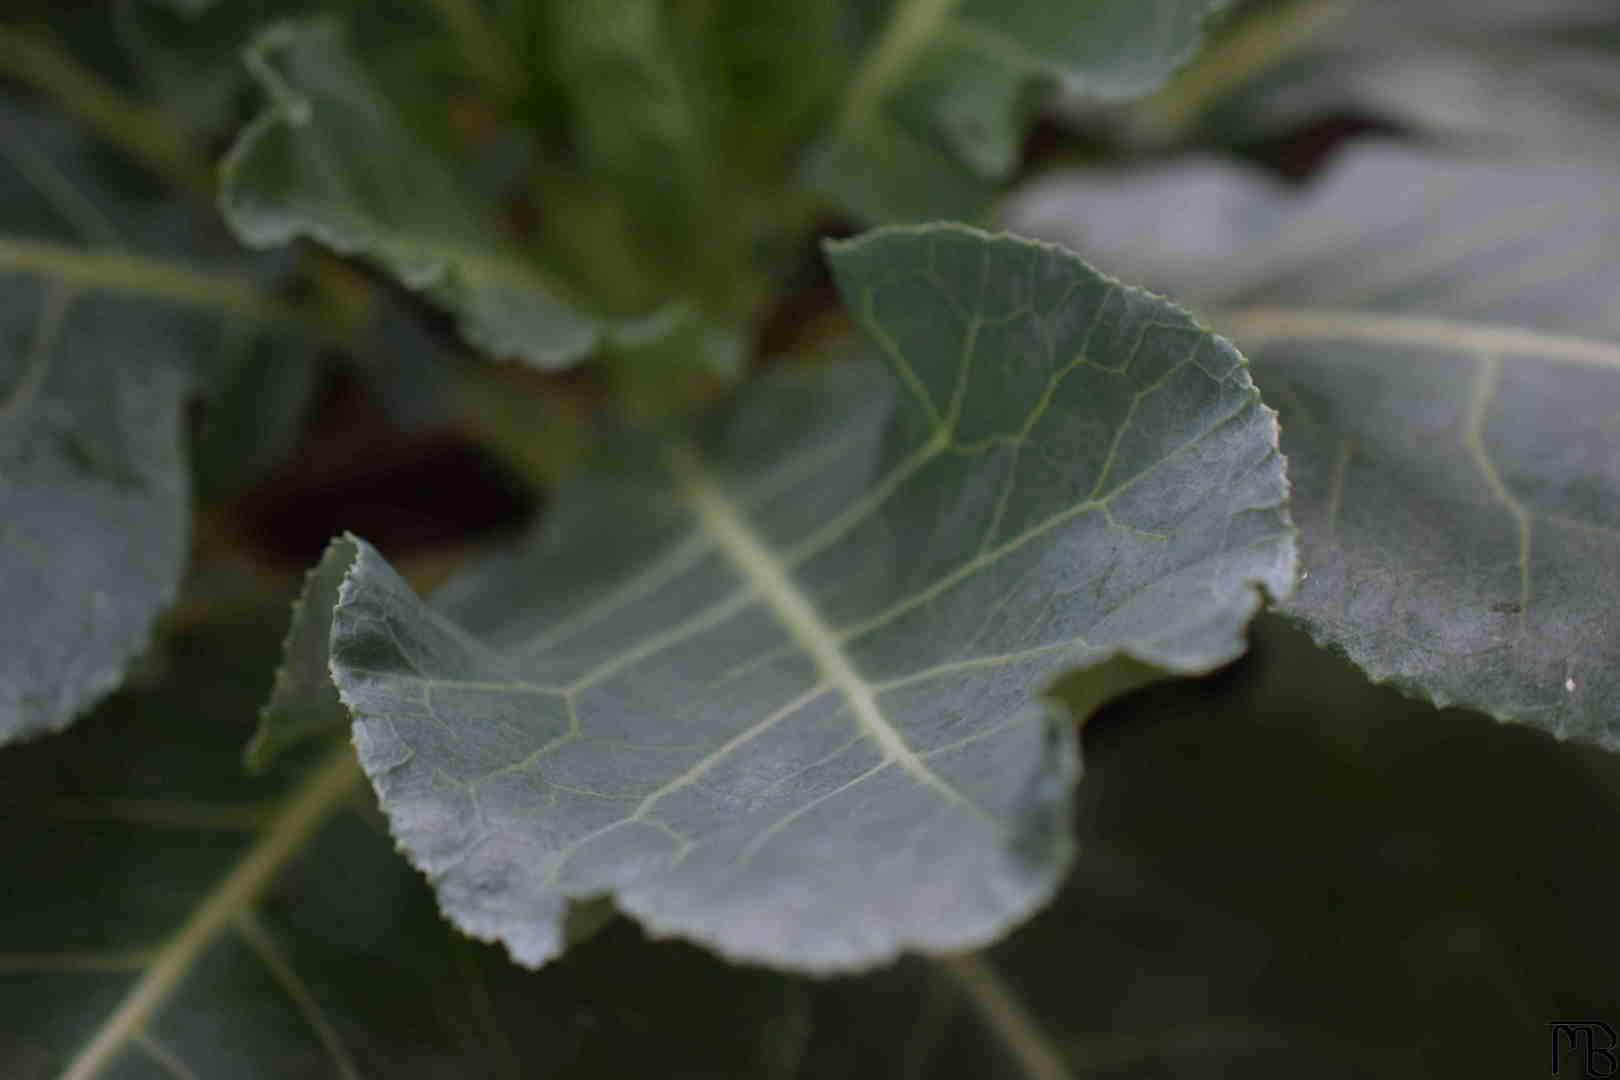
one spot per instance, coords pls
(778, 688)
(1440, 339)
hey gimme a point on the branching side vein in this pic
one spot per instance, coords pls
(769, 578)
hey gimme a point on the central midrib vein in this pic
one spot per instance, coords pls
(768, 577)
(286, 833)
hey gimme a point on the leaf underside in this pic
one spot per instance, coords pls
(777, 689)
(1445, 365)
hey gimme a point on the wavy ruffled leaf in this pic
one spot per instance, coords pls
(331, 159)
(777, 688)
(1440, 338)
(934, 117)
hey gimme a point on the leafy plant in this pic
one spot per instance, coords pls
(794, 527)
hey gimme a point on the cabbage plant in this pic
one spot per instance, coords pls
(721, 484)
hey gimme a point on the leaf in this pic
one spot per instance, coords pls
(111, 306)
(303, 702)
(1440, 339)
(330, 159)
(775, 688)
(167, 916)
(934, 116)
(1539, 75)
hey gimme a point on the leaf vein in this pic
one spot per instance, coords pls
(254, 933)
(324, 791)
(769, 576)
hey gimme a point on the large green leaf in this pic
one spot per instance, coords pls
(1440, 339)
(935, 114)
(165, 915)
(776, 688)
(109, 305)
(333, 160)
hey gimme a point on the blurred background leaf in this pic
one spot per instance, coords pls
(1438, 333)
(1497, 75)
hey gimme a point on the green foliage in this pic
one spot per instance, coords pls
(724, 684)
(768, 598)
(1448, 411)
